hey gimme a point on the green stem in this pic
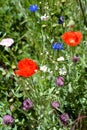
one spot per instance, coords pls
(82, 10)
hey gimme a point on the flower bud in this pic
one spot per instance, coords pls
(60, 81)
(8, 120)
(75, 59)
(55, 104)
(64, 118)
(27, 104)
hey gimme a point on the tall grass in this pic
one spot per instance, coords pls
(33, 38)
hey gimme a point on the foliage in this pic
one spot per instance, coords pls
(33, 38)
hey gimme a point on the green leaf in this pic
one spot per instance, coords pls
(70, 88)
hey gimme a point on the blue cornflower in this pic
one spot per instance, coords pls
(58, 46)
(33, 8)
(61, 20)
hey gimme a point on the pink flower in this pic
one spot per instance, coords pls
(27, 104)
(7, 42)
(64, 118)
(8, 120)
(60, 81)
(55, 104)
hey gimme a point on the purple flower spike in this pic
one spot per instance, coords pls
(64, 118)
(60, 81)
(27, 104)
(55, 104)
(75, 59)
(8, 120)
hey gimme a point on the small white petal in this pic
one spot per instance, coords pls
(44, 17)
(43, 68)
(62, 71)
(60, 59)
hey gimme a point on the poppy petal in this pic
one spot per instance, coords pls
(26, 68)
(72, 38)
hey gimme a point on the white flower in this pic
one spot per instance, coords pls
(60, 58)
(62, 71)
(43, 68)
(7, 42)
(44, 17)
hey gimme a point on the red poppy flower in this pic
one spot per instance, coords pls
(72, 38)
(26, 68)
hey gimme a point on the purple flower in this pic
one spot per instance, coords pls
(60, 81)
(33, 8)
(75, 59)
(64, 118)
(55, 104)
(8, 120)
(27, 104)
(58, 46)
(61, 20)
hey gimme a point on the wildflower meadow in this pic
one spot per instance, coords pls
(43, 65)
